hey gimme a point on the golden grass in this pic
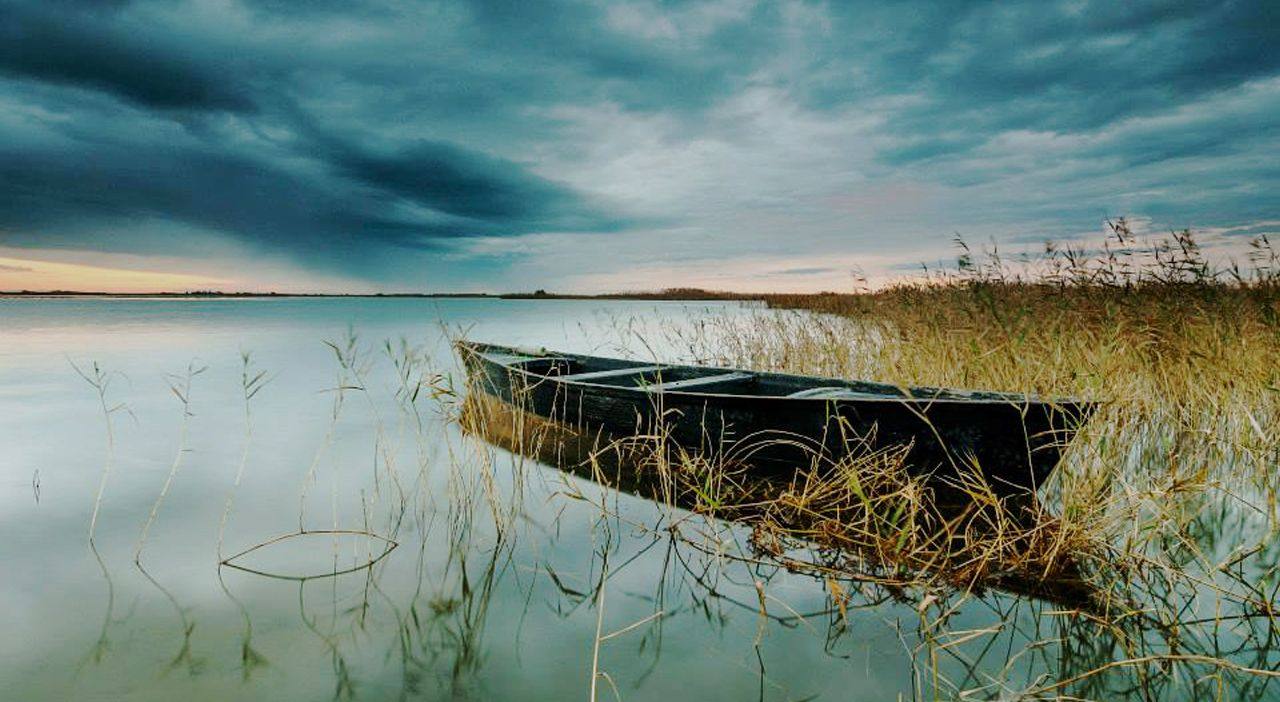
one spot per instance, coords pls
(1183, 357)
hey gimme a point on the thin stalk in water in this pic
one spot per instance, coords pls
(250, 383)
(181, 387)
(100, 380)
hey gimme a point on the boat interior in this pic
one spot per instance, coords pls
(657, 378)
(692, 379)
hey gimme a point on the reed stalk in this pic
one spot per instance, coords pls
(99, 380)
(180, 386)
(251, 383)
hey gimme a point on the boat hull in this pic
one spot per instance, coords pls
(1012, 444)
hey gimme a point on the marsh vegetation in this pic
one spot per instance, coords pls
(1166, 503)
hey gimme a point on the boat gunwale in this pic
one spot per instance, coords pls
(943, 396)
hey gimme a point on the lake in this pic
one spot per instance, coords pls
(463, 571)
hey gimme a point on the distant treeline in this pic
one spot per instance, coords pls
(667, 294)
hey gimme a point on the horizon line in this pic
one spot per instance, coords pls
(670, 293)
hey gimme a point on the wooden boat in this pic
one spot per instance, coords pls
(778, 421)
(578, 451)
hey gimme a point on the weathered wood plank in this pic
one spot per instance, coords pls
(605, 374)
(832, 393)
(703, 382)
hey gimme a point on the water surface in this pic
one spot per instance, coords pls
(472, 574)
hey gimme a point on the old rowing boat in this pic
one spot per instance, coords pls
(778, 421)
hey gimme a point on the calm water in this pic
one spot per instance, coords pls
(491, 591)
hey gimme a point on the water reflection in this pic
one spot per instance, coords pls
(250, 658)
(184, 658)
(103, 644)
(358, 562)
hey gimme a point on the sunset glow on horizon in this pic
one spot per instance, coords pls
(18, 275)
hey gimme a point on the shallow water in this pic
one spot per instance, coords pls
(472, 573)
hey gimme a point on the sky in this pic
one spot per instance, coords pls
(386, 146)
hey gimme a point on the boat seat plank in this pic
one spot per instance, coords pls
(831, 393)
(511, 359)
(677, 385)
(605, 374)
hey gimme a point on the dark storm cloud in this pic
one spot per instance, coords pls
(61, 196)
(454, 182)
(82, 46)
(345, 134)
(342, 208)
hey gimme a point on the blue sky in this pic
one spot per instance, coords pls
(361, 146)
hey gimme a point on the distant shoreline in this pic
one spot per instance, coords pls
(682, 294)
